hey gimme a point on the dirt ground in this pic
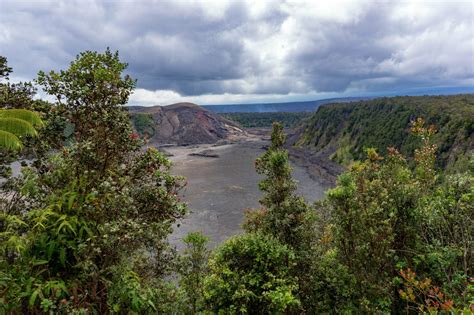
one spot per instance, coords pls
(220, 188)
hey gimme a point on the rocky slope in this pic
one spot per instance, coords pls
(183, 124)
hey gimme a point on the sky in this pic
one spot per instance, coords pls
(223, 52)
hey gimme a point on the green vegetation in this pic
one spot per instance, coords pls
(384, 240)
(143, 124)
(285, 213)
(346, 130)
(251, 274)
(14, 123)
(385, 216)
(17, 123)
(78, 227)
(14, 95)
(260, 120)
(193, 270)
(84, 229)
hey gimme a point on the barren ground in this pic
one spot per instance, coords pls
(220, 188)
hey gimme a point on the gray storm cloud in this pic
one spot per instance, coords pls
(193, 48)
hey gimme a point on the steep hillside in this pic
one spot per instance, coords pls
(182, 123)
(341, 132)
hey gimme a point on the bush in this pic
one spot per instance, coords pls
(251, 274)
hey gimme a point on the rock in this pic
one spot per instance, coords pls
(205, 153)
(166, 153)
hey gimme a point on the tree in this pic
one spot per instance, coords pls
(284, 213)
(251, 273)
(92, 92)
(14, 95)
(92, 232)
(193, 270)
(5, 70)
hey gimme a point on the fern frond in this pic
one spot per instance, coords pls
(9, 141)
(18, 127)
(23, 114)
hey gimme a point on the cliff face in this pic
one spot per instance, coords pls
(183, 123)
(341, 132)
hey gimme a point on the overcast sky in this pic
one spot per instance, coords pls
(219, 52)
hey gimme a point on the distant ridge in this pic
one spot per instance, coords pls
(182, 124)
(341, 133)
(306, 106)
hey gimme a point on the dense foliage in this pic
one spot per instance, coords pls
(84, 227)
(346, 130)
(382, 218)
(261, 120)
(251, 273)
(385, 238)
(14, 95)
(143, 124)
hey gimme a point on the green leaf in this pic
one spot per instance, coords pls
(17, 127)
(66, 224)
(33, 297)
(15, 123)
(152, 304)
(50, 249)
(62, 256)
(86, 229)
(9, 141)
(71, 201)
(23, 114)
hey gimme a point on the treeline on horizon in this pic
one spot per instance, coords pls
(265, 120)
(84, 228)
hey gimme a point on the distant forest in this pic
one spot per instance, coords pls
(252, 120)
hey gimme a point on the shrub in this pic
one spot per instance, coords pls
(251, 274)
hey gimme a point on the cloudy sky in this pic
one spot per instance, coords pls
(219, 52)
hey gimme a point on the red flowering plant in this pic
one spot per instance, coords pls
(422, 295)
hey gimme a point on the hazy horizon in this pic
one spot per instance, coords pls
(430, 92)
